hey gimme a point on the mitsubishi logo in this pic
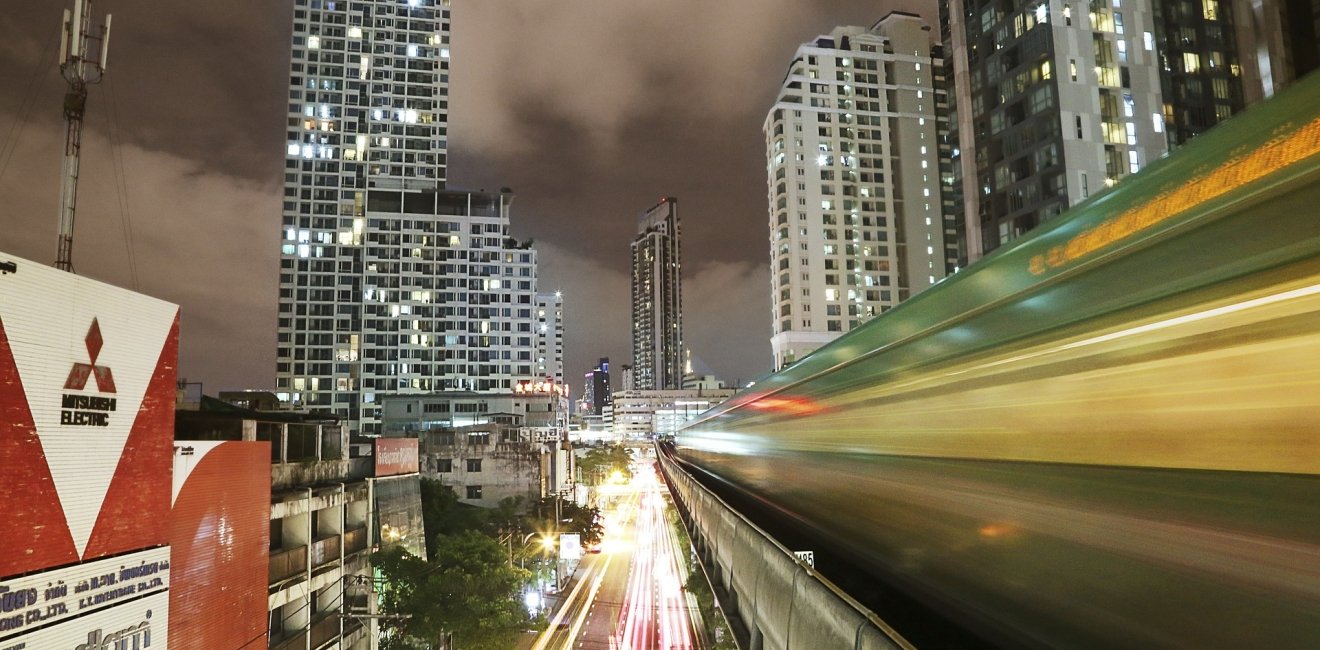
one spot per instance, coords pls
(105, 381)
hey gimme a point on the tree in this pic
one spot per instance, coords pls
(599, 464)
(567, 517)
(467, 591)
(443, 514)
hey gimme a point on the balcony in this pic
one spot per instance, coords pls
(294, 640)
(287, 563)
(355, 540)
(325, 551)
(325, 629)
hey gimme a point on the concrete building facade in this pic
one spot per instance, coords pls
(645, 413)
(854, 158)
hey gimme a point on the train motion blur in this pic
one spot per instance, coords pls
(1106, 434)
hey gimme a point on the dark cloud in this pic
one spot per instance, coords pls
(591, 111)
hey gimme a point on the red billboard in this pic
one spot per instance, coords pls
(87, 380)
(219, 542)
(396, 456)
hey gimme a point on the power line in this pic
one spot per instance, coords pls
(24, 114)
(121, 181)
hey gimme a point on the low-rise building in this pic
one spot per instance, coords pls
(330, 504)
(489, 447)
(642, 413)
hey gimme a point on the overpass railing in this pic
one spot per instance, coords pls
(772, 599)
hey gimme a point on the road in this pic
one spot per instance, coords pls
(630, 595)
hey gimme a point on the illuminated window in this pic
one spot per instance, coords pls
(1149, 40)
(1211, 9)
(1157, 121)
(314, 42)
(1191, 62)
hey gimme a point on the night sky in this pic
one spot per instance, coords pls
(589, 111)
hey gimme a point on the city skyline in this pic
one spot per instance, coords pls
(194, 95)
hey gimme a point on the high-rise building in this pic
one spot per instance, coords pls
(596, 392)
(389, 283)
(657, 299)
(1201, 76)
(1278, 40)
(550, 336)
(854, 158)
(1053, 101)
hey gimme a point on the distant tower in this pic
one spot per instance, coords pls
(79, 69)
(550, 336)
(657, 299)
(596, 394)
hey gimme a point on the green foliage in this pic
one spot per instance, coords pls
(600, 463)
(467, 590)
(443, 514)
(567, 518)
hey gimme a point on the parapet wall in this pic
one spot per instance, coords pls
(773, 601)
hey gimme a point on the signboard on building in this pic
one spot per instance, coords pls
(87, 380)
(140, 623)
(219, 542)
(396, 456)
(570, 546)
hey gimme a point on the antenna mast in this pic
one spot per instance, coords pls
(79, 66)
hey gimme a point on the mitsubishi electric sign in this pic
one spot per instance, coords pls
(87, 379)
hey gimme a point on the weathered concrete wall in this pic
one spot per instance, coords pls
(772, 600)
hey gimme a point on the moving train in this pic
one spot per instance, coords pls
(1106, 434)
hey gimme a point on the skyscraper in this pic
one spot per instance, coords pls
(597, 393)
(389, 283)
(1053, 101)
(657, 299)
(855, 155)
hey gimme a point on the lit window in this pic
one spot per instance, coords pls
(294, 148)
(412, 50)
(1191, 62)
(314, 42)
(1149, 40)
(444, 52)
(1157, 120)
(1042, 13)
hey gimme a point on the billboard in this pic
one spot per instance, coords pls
(87, 375)
(138, 623)
(396, 456)
(219, 543)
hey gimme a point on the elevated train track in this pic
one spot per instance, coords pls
(1106, 434)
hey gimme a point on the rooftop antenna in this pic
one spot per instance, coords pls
(79, 66)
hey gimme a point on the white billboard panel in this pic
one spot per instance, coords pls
(141, 624)
(44, 598)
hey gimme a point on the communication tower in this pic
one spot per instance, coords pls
(79, 69)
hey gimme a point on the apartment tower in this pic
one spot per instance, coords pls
(657, 299)
(1054, 100)
(856, 147)
(389, 282)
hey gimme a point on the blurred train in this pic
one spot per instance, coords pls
(1106, 434)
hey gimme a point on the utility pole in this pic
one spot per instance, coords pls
(78, 69)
